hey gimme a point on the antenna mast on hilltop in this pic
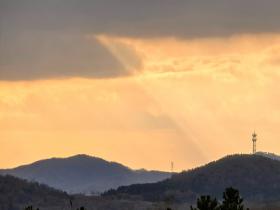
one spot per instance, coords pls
(254, 139)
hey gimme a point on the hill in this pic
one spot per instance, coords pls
(269, 155)
(83, 174)
(16, 194)
(257, 178)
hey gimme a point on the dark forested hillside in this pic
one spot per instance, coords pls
(16, 193)
(84, 174)
(269, 155)
(257, 178)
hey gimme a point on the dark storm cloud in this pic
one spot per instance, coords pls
(146, 17)
(43, 55)
(50, 27)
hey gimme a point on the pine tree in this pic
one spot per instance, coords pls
(30, 208)
(81, 208)
(206, 203)
(232, 200)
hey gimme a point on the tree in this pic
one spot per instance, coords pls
(206, 203)
(232, 200)
(81, 208)
(30, 208)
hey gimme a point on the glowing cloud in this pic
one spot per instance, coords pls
(186, 96)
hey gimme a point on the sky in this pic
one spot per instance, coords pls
(143, 83)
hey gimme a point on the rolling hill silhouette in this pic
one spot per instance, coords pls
(257, 178)
(16, 194)
(83, 174)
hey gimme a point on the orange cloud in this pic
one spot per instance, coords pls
(190, 101)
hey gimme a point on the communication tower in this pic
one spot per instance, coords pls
(254, 139)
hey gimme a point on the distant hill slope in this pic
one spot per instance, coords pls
(257, 178)
(269, 155)
(16, 194)
(84, 174)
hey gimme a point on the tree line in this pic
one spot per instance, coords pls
(231, 201)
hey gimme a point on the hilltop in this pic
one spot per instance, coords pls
(269, 155)
(257, 178)
(84, 174)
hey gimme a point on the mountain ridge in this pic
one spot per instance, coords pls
(269, 155)
(257, 178)
(83, 174)
(16, 194)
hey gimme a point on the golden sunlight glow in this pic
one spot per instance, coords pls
(187, 97)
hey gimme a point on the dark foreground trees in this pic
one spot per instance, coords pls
(231, 201)
(30, 208)
(81, 208)
(206, 203)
